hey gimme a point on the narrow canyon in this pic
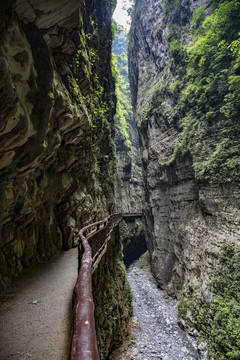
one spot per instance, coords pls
(98, 120)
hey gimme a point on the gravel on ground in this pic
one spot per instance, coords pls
(156, 333)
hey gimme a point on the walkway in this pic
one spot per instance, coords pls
(35, 314)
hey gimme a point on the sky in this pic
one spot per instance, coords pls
(120, 15)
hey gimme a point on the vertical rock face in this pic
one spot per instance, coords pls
(191, 193)
(56, 156)
(128, 178)
(112, 299)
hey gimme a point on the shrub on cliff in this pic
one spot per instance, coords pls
(209, 101)
(219, 321)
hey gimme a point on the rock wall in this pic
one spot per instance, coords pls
(57, 154)
(128, 177)
(112, 299)
(133, 239)
(191, 209)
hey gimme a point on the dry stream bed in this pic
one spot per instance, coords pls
(156, 334)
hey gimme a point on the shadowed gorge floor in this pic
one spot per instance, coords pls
(156, 334)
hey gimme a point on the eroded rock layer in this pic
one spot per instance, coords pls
(183, 62)
(128, 177)
(112, 298)
(56, 110)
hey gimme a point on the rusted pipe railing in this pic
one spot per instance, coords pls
(84, 341)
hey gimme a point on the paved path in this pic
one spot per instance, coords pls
(35, 314)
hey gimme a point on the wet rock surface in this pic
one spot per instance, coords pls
(156, 334)
(49, 184)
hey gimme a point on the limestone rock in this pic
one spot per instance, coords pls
(50, 185)
(186, 220)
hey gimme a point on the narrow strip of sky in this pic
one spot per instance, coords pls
(120, 14)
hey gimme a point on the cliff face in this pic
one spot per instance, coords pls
(57, 155)
(128, 178)
(184, 72)
(112, 299)
(56, 127)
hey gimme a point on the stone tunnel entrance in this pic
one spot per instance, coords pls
(133, 239)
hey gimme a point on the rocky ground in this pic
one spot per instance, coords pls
(156, 334)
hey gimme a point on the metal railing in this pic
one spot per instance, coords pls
(94, 239)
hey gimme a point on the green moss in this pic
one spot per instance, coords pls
(110, 5)
(144, 113)
(206, 101)
(124, 112)
(144, 260)
(219, 321)
(123, 229)
(177, 51)
(198, 15)
(101, 154)
(183, 305)
(156, 96)
(112, 298)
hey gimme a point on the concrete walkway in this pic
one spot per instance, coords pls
(35, 314)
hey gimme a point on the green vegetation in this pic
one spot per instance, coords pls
(124, 113)
(112, 299)
(110, 5)
(199, 94)
(219, 321)
(144, 260)
(204, 89)
(198, 15)
(156, 103)
(210, 98)
(177, 52)
(123, 230)
(88, 91)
